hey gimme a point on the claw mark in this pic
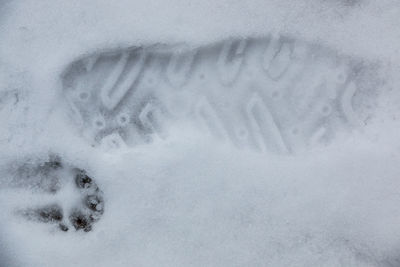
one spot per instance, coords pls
(230, 60)
(264, 124)
(207, 114)
(179, 67)
(277, 58)
(346, 105)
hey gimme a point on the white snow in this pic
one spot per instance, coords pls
(188, 200)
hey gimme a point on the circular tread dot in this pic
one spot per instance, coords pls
(326, 110)
(84, 96)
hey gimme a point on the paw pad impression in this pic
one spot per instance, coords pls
(51, 177)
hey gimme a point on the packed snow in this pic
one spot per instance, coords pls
(190, 200)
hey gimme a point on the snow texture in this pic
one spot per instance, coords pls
(190, 200)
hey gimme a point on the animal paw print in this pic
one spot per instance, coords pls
(52, 177)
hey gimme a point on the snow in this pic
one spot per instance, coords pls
(189, 200)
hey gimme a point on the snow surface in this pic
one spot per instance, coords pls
(189, 201)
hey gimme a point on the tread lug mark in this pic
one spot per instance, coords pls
(99, 122)
(76, 115)
(346, 105)
(112, 92)
(263, 123)
(112, 142)
(111, 81)
(133, 135)
(150, 118)
(317, 136)
(209, 118)
(296, 137)
(90, 62)
(277, 58)
(241, 134)
(230, 60)
(179, 67)
(83, 95)
(123, 119)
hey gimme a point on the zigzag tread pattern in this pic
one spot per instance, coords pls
(275, 94)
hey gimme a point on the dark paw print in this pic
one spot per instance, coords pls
(50, 177)
(92, 201)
